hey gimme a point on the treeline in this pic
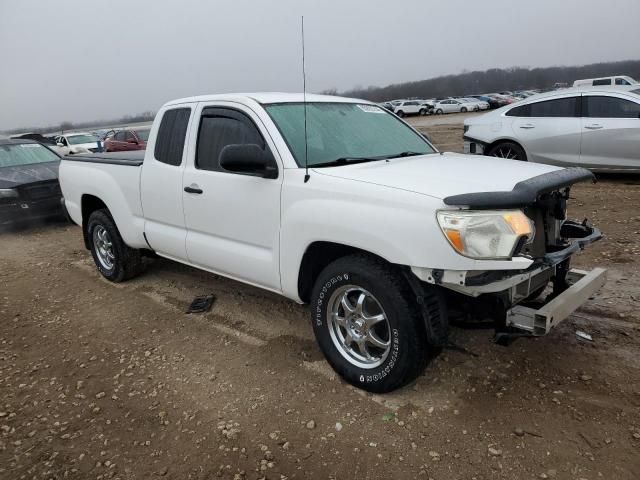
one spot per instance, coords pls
(63, 126)
(493, 80)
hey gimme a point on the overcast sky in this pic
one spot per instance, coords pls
(83, 59)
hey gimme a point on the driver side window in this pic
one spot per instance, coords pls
(220, 127)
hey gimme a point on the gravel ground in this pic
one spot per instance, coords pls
(115, 381)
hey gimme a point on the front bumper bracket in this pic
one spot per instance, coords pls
(538, 322)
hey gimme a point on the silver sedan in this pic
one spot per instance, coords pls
(594, 127)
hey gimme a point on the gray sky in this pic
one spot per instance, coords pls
(82, 59)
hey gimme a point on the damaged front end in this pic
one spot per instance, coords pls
(507, 296)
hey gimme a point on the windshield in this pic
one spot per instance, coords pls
(78, 139)
(344, 130)
(25, 154)
(143, 134)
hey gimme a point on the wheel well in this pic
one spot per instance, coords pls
(89, 204)
(498, 142)
(317, 256)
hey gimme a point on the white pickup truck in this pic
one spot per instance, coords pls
(385, 237)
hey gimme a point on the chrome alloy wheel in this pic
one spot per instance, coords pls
(104, 247)
(506, 152)
(359, 327)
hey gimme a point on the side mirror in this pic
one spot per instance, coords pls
(59, 144)
(248, 159)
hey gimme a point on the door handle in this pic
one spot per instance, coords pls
(193, 189)
(527, 126)
(594, 126)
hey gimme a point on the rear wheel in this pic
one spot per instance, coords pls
(508, 150)
(113, 258)
(368, 325)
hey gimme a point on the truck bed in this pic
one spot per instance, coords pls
(133, 158)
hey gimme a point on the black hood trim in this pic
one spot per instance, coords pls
(525, 192)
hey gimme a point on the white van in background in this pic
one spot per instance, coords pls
(597, 82)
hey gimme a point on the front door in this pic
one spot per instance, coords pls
(550, 130)
(232, 219)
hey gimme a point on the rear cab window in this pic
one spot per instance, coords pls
(171, 136)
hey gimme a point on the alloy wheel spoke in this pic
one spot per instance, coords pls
(376, 341)
(371, 320)
(360, 304)
(364, 350)
(346, 304)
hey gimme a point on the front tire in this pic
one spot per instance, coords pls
(113, 258)
(439, 111)
(423, 112)
(400, 113)
(367, 323)
(463, 110)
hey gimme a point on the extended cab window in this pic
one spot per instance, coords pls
(602, 81)
(610, 107)
(220, 127)
(559, 107)
(171, 136)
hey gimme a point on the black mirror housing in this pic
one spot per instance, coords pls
(248, 159)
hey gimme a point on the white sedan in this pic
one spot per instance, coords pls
(81, 142)
(451, 105)
(594, 127)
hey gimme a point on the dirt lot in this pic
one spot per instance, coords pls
(114, 381)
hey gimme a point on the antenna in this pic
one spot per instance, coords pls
(304, 103)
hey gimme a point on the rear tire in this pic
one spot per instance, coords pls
(368, 325)
(113, 258)
(508, 150)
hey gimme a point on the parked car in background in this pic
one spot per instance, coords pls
(594, 127)
(451, 105)
(475, 104)
(384, 240)
(410, 107)
(493, 103)
(620, 80)
(29, 188)
(79, 142)
(127, 139)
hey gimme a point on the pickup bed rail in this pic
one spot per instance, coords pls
(130, 159)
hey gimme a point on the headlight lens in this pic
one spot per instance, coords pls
(486, 234)
(8, 193)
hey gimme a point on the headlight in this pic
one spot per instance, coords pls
(8, 193)
(486, 234)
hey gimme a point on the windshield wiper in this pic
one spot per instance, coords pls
(405, 154)
(345, 161)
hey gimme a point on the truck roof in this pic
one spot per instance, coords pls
(267, 97)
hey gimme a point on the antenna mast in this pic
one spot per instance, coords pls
(304, 103)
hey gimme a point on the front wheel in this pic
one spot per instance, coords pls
(463, 110)
(508, 150)
(368, 325)
(400, 113)
(113, 258)
(439, 111)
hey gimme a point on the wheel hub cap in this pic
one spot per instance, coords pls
(103, 247)
(358, 326)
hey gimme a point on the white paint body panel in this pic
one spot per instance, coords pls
(257, 230)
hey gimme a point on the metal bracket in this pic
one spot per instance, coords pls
(540, 321)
